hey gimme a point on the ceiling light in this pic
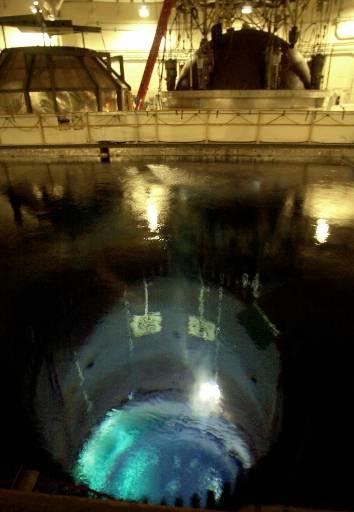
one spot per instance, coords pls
(144, 11)
(345, 29)
(35, 7)
(246, 9)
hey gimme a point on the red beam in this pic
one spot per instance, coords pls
(154, 50)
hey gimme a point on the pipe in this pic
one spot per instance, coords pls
(150, 63)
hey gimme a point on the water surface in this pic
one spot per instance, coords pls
(226, 269)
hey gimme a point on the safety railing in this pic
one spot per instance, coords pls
(186, 126)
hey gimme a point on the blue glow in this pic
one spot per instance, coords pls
(158, 449)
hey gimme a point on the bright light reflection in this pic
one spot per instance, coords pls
(322, 231)
(246, 9)
(149, 203)
(144, 11)
(152, 213)
(209, 392)
(160, 448)
(16, 38)
(331, 202)
(58, 191)
(38, 194)
(345, 29)
(137, 37)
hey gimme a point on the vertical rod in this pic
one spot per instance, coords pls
(41, 128)
(29, 68)
(156, 127)
(207, 127)
(258, 127)
(89, 139)
(146, 297)
(4, 35)
(154, 50)
(52, 82)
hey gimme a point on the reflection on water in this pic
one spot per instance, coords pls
(224, 404)
(160, 449)
(322, 231)
(143, 310)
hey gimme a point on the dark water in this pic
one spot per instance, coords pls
(79, 245)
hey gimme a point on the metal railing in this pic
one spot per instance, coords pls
(224, 126)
